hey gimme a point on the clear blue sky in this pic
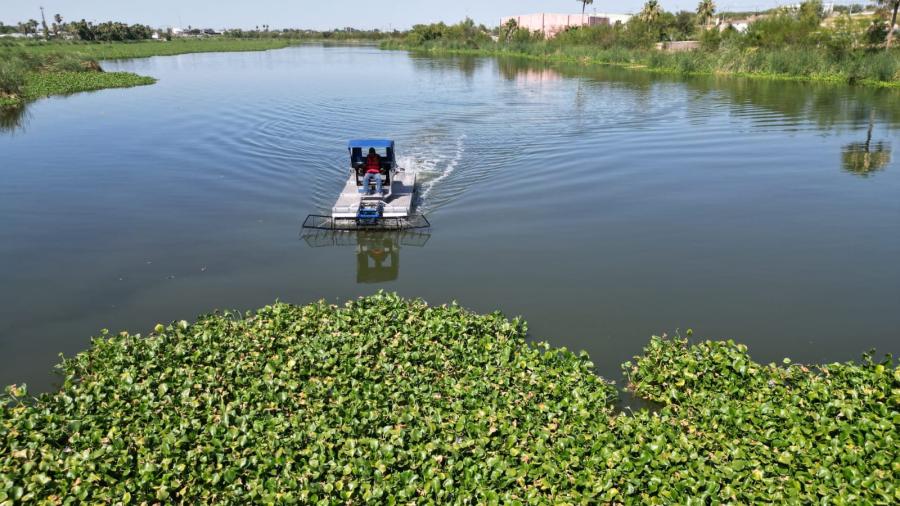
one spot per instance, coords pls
(319, 14)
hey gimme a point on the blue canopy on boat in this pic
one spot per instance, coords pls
(371, 143)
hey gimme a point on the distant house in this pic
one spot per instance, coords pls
(550, 24)
(741, 25)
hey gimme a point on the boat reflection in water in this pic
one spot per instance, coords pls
(377, 253)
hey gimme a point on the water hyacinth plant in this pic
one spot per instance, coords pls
(30, 70)
(386, 401)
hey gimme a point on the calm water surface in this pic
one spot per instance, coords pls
(602, 205)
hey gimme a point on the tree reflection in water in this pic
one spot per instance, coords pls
(13, 119)
(864, 158)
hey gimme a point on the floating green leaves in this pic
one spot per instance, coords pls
(63, 83)
(778, 434)
(386, 401)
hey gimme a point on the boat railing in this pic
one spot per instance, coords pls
(323, 222)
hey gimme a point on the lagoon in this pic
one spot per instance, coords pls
(601, 204)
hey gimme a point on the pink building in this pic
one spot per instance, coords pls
(551, 24)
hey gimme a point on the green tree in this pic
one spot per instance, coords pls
(508, 30)
(57, 25)
(812, 11)
(705, 11)
(683, 25)
(584, 4)
(651, 12)
(83, 29)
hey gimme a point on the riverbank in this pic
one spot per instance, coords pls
(145, 49)
(877, 68)
(29, 71)
(390, 400)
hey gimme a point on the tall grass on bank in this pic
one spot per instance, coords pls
(144, 49)
(27, 75)
(784, 43)
(12, 81)
(879, 68)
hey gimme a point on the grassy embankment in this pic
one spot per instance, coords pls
(389, 401)
(34, 70)
(795, 44)
(879, 68)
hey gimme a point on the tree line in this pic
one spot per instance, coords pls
(108, 31)
(111, 31)
(801, 25)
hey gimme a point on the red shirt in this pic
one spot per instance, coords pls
(373, 164)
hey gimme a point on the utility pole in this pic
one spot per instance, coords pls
(44, 24)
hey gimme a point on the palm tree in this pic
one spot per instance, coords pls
(584, 4)
(705, 11)
(651, 11)
(508, 30)
(31, 26)
(892, 5)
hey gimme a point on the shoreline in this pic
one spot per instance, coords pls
(43, 84)
(640, 66)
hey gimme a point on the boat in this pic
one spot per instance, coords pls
(360, 207)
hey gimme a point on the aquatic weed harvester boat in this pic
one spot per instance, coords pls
(360, 206)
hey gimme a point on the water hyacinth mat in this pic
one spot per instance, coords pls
(386, 400)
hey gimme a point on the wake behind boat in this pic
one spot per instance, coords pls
(378, 193)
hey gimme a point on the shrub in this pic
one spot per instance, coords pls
(710, 40)
(12, 76)
(604, 36)
(639, 35)
(780, 30)
(877, 32)
(884, 65)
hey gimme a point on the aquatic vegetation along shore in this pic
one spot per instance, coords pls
(871, 69)
(386, 400)
(29, 71)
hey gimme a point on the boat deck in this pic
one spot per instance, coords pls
(396, 205)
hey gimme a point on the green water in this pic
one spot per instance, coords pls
(601, 204)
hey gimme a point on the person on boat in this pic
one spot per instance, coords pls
(373, 172)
